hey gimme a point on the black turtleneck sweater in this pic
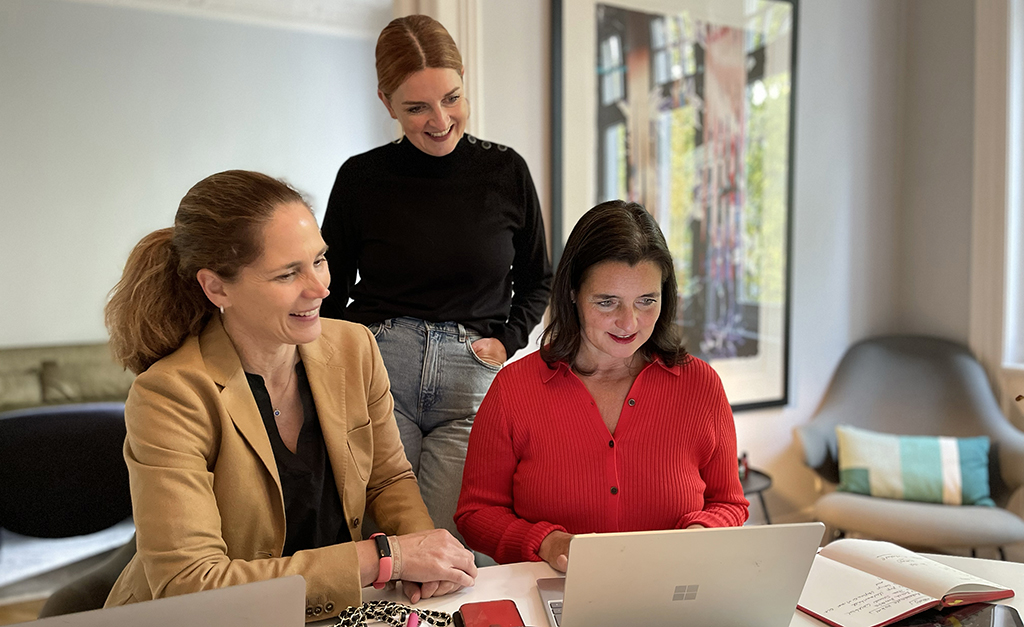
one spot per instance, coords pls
(456, 238)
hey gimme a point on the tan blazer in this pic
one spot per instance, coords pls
(206, 495)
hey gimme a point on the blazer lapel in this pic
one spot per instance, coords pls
(327, 382)
(223, 364)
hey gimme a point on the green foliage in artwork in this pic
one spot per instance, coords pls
(622, 169)
(682, 205)
(765, 215)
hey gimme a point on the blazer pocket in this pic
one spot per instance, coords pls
(360, 449)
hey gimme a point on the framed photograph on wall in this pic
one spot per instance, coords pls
(686, 107)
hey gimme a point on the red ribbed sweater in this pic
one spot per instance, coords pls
(541, 458)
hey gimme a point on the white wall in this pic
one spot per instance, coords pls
(882, 203)
(846, 209)
(516, 55)
(108, 115)
(938, 135)
(517, 62)
(845, 203)
(882, 190)
(882, 187)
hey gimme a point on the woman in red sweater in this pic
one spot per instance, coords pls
(611, 426)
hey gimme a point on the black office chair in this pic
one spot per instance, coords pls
(62, 471)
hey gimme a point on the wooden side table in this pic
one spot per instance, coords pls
(756, 482)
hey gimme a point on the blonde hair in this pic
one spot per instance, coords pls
(410, 44)
(219, 225)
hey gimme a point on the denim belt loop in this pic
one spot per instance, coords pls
(462, 332)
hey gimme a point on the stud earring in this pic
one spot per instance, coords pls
(222, 309)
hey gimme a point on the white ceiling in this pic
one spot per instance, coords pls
(360, 18)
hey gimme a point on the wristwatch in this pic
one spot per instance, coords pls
(384, 553)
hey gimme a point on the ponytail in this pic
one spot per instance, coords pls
(218, 226)
(153, 309)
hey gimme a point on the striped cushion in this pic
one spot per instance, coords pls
(953, 471)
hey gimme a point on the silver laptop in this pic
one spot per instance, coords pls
(729, 576)
(272, 603)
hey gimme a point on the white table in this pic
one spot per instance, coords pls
(518, 582)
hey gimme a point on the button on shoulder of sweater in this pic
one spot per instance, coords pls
(632, 402)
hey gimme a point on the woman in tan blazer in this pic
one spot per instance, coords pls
(259, 435)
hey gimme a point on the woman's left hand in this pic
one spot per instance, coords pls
(490, 350)
(417, 591)
(554, 549)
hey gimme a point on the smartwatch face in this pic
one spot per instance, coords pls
(975, 615)
(383, 548)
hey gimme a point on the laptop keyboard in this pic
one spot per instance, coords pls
(556, 611)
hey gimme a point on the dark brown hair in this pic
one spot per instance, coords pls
(612, 231)
(410, 44)
(219, 226)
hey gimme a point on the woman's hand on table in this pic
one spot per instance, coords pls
(554, 550)
(434, 563)
(490, 350)
(418, 591)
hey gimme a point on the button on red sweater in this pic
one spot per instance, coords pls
(541, 458)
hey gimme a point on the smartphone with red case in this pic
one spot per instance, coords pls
(503, 613)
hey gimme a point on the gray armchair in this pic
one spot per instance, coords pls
(915, 385)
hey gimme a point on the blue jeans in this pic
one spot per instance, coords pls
(437, 382)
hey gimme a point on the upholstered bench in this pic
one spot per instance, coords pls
(52, 375)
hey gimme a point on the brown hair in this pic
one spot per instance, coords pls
(158, 302)
(410, 44)
(612, 231)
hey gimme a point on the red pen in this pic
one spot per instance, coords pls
(414, 620)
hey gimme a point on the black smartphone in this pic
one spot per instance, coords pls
(974, 615)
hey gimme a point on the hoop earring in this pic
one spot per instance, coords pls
(222, 310)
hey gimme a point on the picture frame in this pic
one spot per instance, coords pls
(687, 107)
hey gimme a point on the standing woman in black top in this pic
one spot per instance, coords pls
(438, 241)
